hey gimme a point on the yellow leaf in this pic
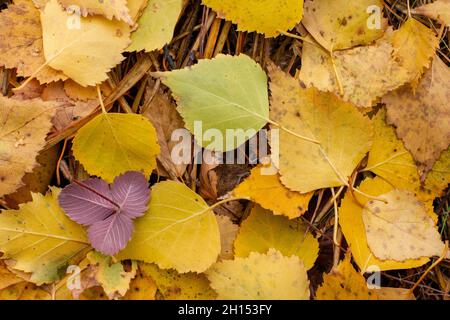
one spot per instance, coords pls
(142, 287)
(268, 191)
(389, 159)
(109, 8)
(111, 276)
(415, 45)
(41, 238)
(228, 232)
(23, 128)
(264, 16)
(24, 291)
(342, 24)
(84, 52)
(156, 25)
(365, 73)
(262, 231)
(387, 293)
(401, 228)
(7, 278)
(76, 92)
(114, 143)
(422, 117)
(178, 231)
(351, 222)
(439, 177)
(438, 10)
(21, 38)
(269, 276)
(136, 8)
(179, 286)
(344, 283)
(343, 134)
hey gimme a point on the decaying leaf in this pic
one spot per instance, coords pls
(178, 231)
(438, 10)
(342, 24)
(342, 133)
(270, 17)
(270, 193)
(142, 287)
(179, 286)
(24, 291)
(23, 128)
(422, 118)
(344, 283)
(269, 276)
(353, 228)
(228, 232)
(21, 42)
(85, 53)
(109, 8)
(262, 231)
(401, 228)
(114, 143)
(225, 93)
(40, 238)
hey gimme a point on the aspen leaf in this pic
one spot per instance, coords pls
(179, 286)
(414, 46)
(269, 276)
(263, 16)
(342, 24)
(422, 119)
(40, 238)
(270, 193)
(262, 231)
(227, 92)
(84, 54)
(156, 25)
(21, 42)
(7, 278)
(114, 143)
(178, 231)
(439, 177)
(389, 159)
(136, 8)
(23, 128)
(76, 92)
(353, 228)
(342, 132)
(344, 283)
(111, 276)
(228, 232)
(401, 228)
(108, 8)
(359, 75)
(438, 10)
(387, 293)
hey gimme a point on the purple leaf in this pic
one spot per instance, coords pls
(112, 234)
(108, 210)
(131, 192)
(84, 206)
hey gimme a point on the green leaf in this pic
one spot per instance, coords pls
(228, 92)
(178, 231)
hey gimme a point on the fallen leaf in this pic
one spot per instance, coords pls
(24, 291)
(21, 42)
(343, 134)
(179, 286)
(270, 193)
(114, 143)
(228, 232)
(344, 283)
(438, 10)
(84, 54)
(41, 238)
(76, 92)
(422, 119)
(225, 93)
(262, 231)
(142, 287)
(23, 128)
(400, 229)
(269, 276)
(178, 231)
(108, 8)
(156, 25)
(270, 17)
(414, 47)
(344, 24)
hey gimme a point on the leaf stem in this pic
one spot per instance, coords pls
(99, 93)
(83, 185)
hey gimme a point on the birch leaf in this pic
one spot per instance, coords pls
(438, 10)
